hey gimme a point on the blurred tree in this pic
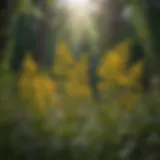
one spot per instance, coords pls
(24, 33)
(111, 30)
(62, 23)
(94, 78)
(4, 8)
(146, 44)
(87, 46)
(47, 34)
(110, 22)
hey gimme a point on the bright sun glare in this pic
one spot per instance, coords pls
(78, 2)
(80, 15)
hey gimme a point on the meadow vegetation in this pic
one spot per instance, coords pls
(55, 118)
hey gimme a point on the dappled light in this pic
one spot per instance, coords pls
(79, 79)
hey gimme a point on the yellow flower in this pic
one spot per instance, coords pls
(113, 67)
(24, 84)
(37, 84)
(40, 102)
(29, 65)
(63, 60)
(49, 86)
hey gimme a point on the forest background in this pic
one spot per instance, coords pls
(66, 90)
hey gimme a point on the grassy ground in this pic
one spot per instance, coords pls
(76, 128)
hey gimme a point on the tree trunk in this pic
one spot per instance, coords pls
(111, 24)
(42, 35)
(47, 37)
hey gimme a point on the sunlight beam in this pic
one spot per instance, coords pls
(76, 3)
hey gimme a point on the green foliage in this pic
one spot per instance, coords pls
(76, 130)
(136, 53)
